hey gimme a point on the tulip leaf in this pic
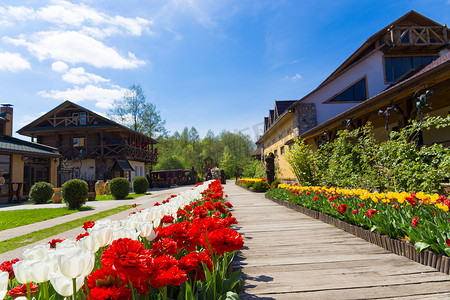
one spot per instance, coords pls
(447, 250)
(421, 246)
(188, 294)
(373, 228)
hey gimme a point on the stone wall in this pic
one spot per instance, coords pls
(305, 118)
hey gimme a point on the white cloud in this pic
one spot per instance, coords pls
(80, 76)
(59, 66)
(295, 77)
(78, 15)
(103, 97)
(75, 47)
(13, 62)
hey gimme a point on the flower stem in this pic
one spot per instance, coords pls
(45, 289)
(28, 291)
(163, 290)
(132, 291)
(88, 291)
(74, 287)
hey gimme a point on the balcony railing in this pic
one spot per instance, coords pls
(114, 151)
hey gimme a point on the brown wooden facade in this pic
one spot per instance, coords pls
(82, 135)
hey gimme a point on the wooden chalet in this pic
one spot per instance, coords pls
(93, 147)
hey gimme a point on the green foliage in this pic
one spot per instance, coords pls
(186, 150)
(169, 162)
(254, 169)
(260, 186)
(41, 192)
(140, 185)
(135, 112)
(75, 193)
(275, 183)
(120, 187)
(301, 158)
(249, 184)
(355, 160)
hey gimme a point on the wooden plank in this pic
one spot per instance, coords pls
(288, 255)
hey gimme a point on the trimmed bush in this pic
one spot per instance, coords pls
(260, 186)
(120, 187)
(75, 193)
(41, 192)
(140, 185)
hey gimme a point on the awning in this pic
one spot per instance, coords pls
(124, 165)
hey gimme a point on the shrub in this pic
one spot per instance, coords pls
(249, 184)
(41, 192)
(120, 187)
(275, 183)
(75, 193)
(260, 186)
(140, 185)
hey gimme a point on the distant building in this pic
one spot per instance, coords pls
(92, 147)
(22, 163)
(406, 58)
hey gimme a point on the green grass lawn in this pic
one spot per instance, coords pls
(14, 218)
(38, 235)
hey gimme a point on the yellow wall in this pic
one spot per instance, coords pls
(274, 140)
(16, 168)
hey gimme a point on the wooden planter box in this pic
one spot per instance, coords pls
(428, 258)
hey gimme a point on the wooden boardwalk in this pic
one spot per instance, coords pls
(288, 255)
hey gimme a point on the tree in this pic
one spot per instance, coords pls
(135, 112)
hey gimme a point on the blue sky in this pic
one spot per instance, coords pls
(209, 64)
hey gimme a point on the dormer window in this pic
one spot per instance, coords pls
(356, 92)
(79, 118)
(397, 66)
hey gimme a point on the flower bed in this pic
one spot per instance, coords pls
(180, 249)
(258, 185)
(419, 219)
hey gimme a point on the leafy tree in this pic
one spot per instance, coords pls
(137, 113)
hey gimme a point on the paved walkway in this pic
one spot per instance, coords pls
(288, 255)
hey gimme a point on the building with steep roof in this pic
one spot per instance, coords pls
(93, 147)
(405, 59)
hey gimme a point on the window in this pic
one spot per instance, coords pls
(396, 67)
(275, 153)
(83, 118)
(79, 118)
(282, 150)
(79, 142)
(355, 93)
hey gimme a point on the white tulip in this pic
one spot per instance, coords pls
(4, 276)
(37, 252)
(40, 270)
(75, 262)
(145, 228)
(20, 269)
(88, 243)
(152, 236)
(64, 285)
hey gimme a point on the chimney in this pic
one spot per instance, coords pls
(7, 112)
